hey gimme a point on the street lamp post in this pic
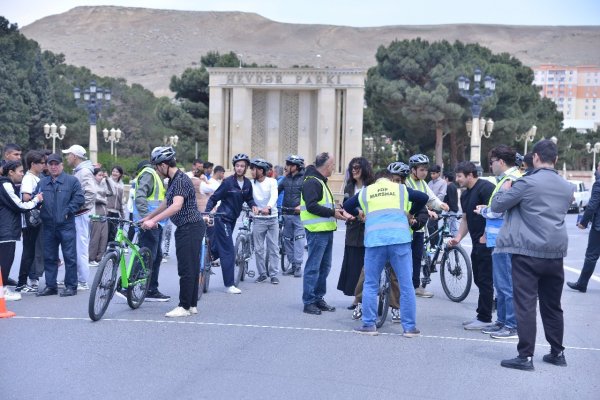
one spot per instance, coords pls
(527, 137)
(171, 140)
(94, 98)
(476, 99)
(595, 150)
(113, 136)
(51, 133)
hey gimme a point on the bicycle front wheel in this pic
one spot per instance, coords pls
(139, 278)
(383, 298)
(239, 266)
(285, 262)
(204, 278)
(104, 284)
(456, 273)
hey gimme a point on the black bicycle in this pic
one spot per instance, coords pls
(244, 247)
(383, 295)
(286, 265)
(207, 261)
(456, 272)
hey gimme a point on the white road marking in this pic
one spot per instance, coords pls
(291, 328)
(578, 271)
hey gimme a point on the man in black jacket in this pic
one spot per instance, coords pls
(63, 197)
(293, 231)
(591, 214)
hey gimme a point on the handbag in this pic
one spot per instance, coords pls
(32, 218)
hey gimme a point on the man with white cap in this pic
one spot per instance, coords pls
(83, 170)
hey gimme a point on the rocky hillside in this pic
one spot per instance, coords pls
(148, 46)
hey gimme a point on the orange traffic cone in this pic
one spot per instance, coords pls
(4, 313)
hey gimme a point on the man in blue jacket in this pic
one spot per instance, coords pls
(591, 214)
(234, 191)
(63, 197)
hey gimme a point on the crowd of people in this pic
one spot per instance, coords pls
(386, 214)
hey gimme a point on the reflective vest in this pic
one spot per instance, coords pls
(155, 198)
(316, 223)
(419, 185)
(512, 173)
(493, 225)
(386, 206)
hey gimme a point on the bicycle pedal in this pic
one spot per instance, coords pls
(250, 274)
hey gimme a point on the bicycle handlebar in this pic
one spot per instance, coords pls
(104, 218)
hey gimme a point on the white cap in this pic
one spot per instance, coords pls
(77, 150)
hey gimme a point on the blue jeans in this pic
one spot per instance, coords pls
(152, 239)
(502, 273)
(400, 256)
(65, 237)
(318, 264)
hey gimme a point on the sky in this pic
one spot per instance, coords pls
(359, 13)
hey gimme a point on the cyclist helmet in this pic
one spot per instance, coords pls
(519, 160)
(240, 157)
(162, 154)
(418, 159)
(295, 160)
(399, 168)
(260, 163)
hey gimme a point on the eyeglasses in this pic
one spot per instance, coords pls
(493, 160)
(356, 168)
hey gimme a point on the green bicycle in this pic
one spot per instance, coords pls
(135, 272)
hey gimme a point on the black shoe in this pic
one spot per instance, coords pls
(157, 296)
(323, 306)
(48, 291)
(351, 307)
(289, 272)
(260, 279)
(68, 292)
(522, 363)
(576, 286)
(274, 280)
(11, 282)
(312, 309)
(556, 359)
(298, 272)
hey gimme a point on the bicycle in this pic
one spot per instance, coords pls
(286, 265)
(135, 272)
(383, 295)
(206, 259)
(456, 272)
(244, 247)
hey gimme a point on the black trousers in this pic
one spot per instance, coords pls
(533, 279)
(591, 257)
(7, 256)
(417, 252)
(112, 227)
(188, 239)
(26, 268)
(481, 260)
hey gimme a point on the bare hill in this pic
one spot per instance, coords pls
(148, 46)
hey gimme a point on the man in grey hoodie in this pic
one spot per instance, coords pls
(83, 170)
(534, 232)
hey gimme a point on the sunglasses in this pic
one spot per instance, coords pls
(356, 168)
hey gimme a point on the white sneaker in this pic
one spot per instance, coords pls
(478, 325)
(164, 260)
(194, 310)
(420, 292)
(93, 263)
(233, 290)
(82, 286)
(178, 312)
(9, 295)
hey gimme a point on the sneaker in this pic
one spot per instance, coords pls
(34, 283)
(478, 325)
(357, 313)
(395, 316)
(260, 279)
(164, 260)
(19, 288)
(193, 310)
(556, 359)
(298, 272)
(274, 280)
(178, 312)
(505, 333)
(289, 271)
(9, 295)
(367, 330)
(60, 283)
(157, 296)
(522, 363)
(30, 289)
(414, 332)
(492, 329)
(82, 286)
(93, 263)
(423, 293)
(233, 290)
(469, 321)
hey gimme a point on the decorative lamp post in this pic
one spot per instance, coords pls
(527, 137)
(173, 140)
(51, 133)
(113, 136)
(94, 98)
(476, 99)
(595, 150)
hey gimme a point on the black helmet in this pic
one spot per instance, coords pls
(418, 159)
(399, 168)
(162, 154)
(240, 157)
(519, 159)
(260, 163)
(295, 160)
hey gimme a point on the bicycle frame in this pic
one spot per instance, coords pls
(120, 243)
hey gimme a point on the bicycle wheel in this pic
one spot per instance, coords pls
(426, 266)
(456, 273)
(139, 278)
(204, 277)
(383, 298)
(104, 284)
(285, 262)
(241, 243)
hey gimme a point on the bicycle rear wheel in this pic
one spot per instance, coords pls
(456, 273)
(383, 298)
(241, 242)
(139, 278)
(204, 277)
(285, 262)
(104, 284)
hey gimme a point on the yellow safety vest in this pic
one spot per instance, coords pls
(156, 197)
(512, 173)
(316, 223)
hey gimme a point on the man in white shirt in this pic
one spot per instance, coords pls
(208, 188)
(266, 224)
